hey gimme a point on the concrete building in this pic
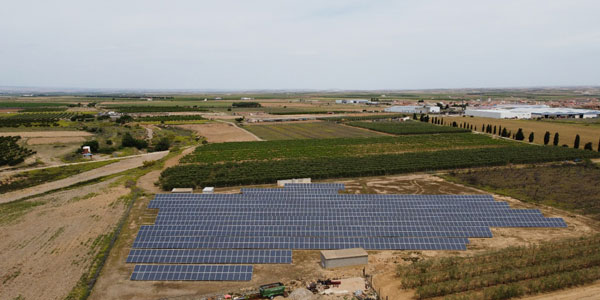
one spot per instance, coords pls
(343, 258)
(532, 112)
(412, 109)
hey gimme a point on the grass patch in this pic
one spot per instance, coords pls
(11, 211)
(407, 127)
(312, 130)
(574, 187)
(504, 274)
(36, 177)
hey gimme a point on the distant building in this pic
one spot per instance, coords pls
(414, 109)
(532, 112)
(356, 101)
(246, 98)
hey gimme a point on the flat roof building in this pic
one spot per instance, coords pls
(344, 258)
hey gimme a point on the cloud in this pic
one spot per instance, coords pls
(299, 44)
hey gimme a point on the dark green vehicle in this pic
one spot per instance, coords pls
(272, 289)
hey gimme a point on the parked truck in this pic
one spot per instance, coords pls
(272, 289)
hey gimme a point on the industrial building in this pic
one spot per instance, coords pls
(532, 112)
(414, 109)
(344, 258)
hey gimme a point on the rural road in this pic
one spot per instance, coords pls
(117, 167)
(5, 173)
(238, 127)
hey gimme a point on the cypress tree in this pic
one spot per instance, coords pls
(494, 129)
(504, 132)
(414, 116)
(519, 136)
(576, 143)
(546, 138)
(588, 146)
(531, 137)
(556, 139)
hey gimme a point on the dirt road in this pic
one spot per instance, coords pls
(147, 181)
(117, 167)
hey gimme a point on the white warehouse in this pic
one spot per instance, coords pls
(412, 109)
(529, 112)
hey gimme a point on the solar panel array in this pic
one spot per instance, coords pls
(262, 225)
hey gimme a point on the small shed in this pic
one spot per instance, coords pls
(344, 258)
(182, 190)
(208, 190)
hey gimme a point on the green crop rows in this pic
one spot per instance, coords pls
(170, 118)
(143, 109)
(405, 128)
(340, 147)
(34, 119)
(362, 118)
(10, 152)
(338, 166)
(507, 273)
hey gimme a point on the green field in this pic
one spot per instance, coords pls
(36, 177)
(408, 127)
(343, 147)
(241, 163)
(313, 130)
(574, 187)
(508, 273)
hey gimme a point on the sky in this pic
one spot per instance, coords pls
(307, 44)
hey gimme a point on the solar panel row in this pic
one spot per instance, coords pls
(210, 256)
(192, 272)
(262, 225)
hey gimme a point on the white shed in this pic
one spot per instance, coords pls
(344, 258)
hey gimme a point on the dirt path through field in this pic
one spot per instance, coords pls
(147, 181)
(221, 132)
(117, 167)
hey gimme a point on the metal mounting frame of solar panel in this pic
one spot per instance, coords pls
(192, 273)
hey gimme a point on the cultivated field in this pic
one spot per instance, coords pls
(407, 127)
(47, 243)
(220, 132)
(567, 131)
(567, 186)
(307, 130)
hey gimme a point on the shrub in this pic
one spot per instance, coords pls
(130, 141)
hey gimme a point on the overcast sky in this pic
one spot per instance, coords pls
(250, 44)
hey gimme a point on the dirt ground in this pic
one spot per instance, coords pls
(46, 134)
(117, 167)
(566, 131)
(220, 132)
(44, 252)
(115, 284)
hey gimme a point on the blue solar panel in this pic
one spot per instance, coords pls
(192, 272)
(262, 225)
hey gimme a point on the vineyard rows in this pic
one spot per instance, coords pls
(144, 109)
(34, 119)
(362, 118)
(507, 273)
(340, 147)
(408, 127)
(170, 118)
(269, 171)
(10, 152)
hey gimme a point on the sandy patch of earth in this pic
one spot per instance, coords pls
(220, 132)
(44, 252)
(46, 134)
(53, 140)
(110, 169)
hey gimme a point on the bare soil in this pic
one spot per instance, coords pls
(55, 140)
(46, 134)
(110, 169)
(219, 132)
(115, 284)
(44, 252)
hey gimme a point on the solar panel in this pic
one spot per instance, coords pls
(262, 225)
(192, 272)
(210, 256)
